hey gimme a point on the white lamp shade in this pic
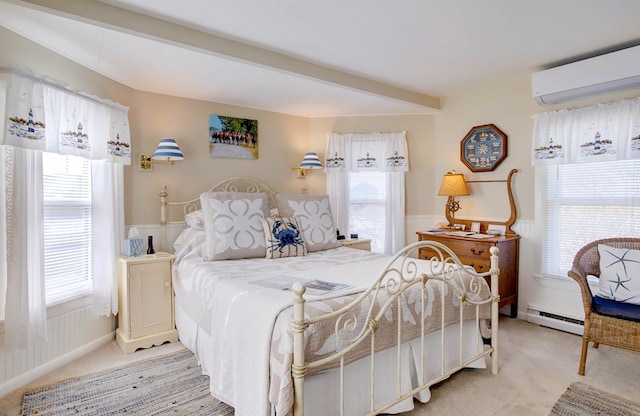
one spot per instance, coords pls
(311, 161)
(168, 150)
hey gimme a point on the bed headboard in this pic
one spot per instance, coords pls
(238, 184)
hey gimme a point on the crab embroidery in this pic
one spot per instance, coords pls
(284, 237)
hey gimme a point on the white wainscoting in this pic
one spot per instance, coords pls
(160, 242)
(70, 335)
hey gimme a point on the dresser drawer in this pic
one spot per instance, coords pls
(470, 249)
(480, 264)
(479, 261)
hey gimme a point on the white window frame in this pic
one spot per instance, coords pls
(68, 247)
(375, 232)
(562, 234)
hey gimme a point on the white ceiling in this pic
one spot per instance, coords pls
(321, 58)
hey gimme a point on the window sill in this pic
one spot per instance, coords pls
(72, 305)
(63, 308)
(564, 282)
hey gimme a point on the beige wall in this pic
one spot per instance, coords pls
(283, 140)
(507, 103)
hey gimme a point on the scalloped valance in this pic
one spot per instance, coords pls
(43, 114)
(378, 152)
(600, 133)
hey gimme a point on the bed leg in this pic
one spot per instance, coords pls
(495, 295)
(298, 367)
(163, 217)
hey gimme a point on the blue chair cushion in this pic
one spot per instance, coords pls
(620, 310)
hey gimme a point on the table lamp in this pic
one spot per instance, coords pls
(453, 185)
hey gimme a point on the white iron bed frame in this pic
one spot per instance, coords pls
(399, 275)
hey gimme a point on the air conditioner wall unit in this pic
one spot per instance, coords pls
(612, 72)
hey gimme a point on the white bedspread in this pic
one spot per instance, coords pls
(239, 315)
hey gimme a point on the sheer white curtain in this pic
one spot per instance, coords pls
(108, 230)
(22, 242)
(40, 114)
(380, 152)
(338, 191)
(395, 211)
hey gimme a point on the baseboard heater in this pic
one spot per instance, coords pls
(552, 320)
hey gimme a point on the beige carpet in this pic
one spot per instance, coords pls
(536, 366)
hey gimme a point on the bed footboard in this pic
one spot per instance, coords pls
(404, 278)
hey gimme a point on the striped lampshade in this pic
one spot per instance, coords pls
(168, 150)
(311, 161)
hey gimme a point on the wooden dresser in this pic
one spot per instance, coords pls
(475, 252)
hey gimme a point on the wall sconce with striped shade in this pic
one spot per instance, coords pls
(167, 151)
(310, 161)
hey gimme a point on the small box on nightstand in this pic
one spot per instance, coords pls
(361, 244)
(132, 247)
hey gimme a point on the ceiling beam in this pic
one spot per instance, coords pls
(138, 24)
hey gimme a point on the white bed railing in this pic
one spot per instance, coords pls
(402, 273)
(169, 210)
(238, 184)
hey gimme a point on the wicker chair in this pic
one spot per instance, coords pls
(599, 326)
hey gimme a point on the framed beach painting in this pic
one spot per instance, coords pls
(233, 137)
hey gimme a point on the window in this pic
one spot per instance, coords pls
(367, 199)
(586, 202)
(67, 227)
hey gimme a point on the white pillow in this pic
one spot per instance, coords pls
(190, 239)
(619, 274)
(195, 219)
(283, 238)
(233, 223)
(313, 213)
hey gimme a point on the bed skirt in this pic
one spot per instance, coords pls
(320, 390)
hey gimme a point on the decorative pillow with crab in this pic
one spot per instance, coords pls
(283, 237)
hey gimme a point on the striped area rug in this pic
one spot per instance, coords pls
(170, 384)
(583, 400)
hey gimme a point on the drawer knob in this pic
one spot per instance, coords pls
(473, 250)
(478, 268)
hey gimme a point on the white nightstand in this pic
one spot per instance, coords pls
(145, 302)
(360, 244)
